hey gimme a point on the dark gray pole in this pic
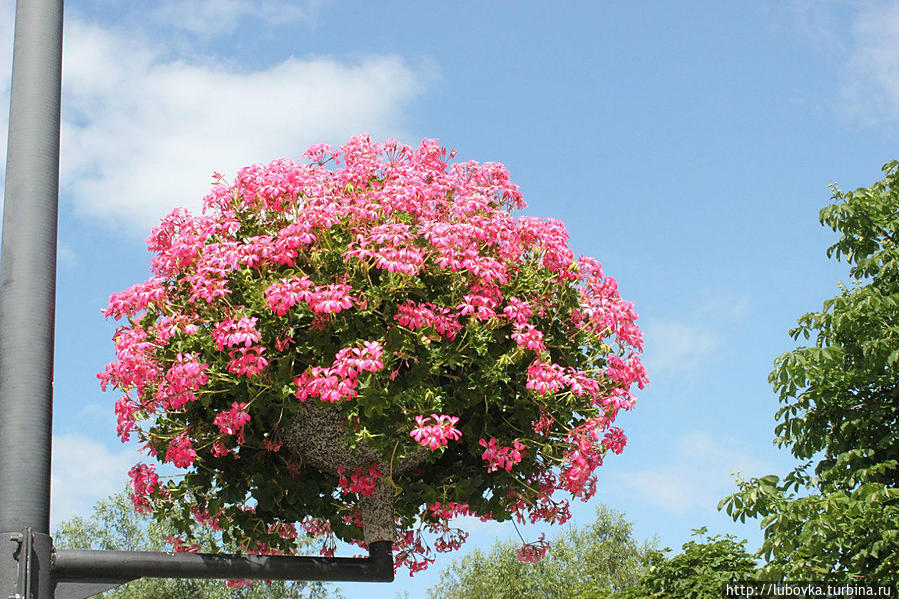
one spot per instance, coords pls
(122, 566)
(27, 294)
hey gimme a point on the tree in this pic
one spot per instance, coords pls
(364, 339)
(595, 561)
(837, 515)
(115, 526)
(698, 572)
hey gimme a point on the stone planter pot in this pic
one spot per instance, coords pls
(316, 435)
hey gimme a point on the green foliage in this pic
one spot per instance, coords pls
(115, 526)
(595, 561)
(837, 515)
(696, 573)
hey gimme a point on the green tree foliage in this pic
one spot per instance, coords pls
(696, 573)
(114, 525)
(837, 515)
(595, 561)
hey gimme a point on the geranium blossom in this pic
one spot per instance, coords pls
(437, 434)
(287, 293)
(125, 419)
(360, 481)
(184, 377)
(144, 482)
(231, 422)
(330, 299)
(181, 452)
(528, 337)
(546, 378)
(229, 333)
(247, 361)
(533, 552)
(136, 298)
(501, 457)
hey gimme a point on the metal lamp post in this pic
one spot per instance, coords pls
(27, 300)
(30, 568)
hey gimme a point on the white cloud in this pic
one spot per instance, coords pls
(698, 474)
(66, 258)
(871, 89)
(676, 348)
(83, 472)
(818, 22)
(217, 17)
(98, 412)
(861, 39)
(143, 134)
(724, 307)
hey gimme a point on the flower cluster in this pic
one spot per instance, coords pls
(317, 310)
(528, 337)
(359, 481)
(438, 434)
(452, 509)
(144, 482)
(180, 546)
(417, 315)
(230, 334)
(499, 457)
(184, 377)
(180, 451)
(533, 552)
(287, 293)
(231, 422)
(615, 440)
(339, 381)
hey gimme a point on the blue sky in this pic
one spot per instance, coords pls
(688, 146)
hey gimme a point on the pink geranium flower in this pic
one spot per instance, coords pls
(231, 422)
(438, 433)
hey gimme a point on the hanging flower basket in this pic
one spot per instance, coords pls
(364, 345)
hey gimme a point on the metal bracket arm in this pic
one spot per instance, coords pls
(80, 571)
